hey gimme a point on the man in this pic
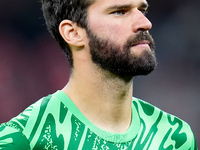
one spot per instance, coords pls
(107, 43)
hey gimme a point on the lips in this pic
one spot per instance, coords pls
(141, 43)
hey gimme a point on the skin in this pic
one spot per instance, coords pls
(119, 23)
(101, 96)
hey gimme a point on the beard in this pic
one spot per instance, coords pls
(118, 59)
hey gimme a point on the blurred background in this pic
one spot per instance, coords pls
(32, 64)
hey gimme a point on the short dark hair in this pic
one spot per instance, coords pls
(55, 11)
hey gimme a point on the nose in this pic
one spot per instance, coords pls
(141, 23)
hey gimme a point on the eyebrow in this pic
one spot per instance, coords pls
(126, 6)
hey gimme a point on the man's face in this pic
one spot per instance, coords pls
(118, 37)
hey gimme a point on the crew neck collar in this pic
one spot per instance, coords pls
(127, 136)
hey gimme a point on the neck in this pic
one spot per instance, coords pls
(103, 95)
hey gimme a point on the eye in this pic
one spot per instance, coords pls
(119, 12)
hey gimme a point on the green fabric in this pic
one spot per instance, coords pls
(55, 123)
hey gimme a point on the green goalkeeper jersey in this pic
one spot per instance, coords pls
(55, 123)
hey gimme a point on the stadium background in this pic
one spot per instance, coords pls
(32, 64)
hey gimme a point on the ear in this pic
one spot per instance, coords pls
(71, 33)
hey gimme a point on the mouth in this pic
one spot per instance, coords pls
(140, 43)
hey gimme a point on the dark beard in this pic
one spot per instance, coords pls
(118, 60)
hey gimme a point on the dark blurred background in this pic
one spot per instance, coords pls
(32, 64)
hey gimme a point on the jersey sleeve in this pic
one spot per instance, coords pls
(12, 139)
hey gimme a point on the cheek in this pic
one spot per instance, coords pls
(117, 33)
(106, 28)
(113, 33)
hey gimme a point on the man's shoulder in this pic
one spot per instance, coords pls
(147, 109)
(15, 130)
(19, 122)
(163, 123)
